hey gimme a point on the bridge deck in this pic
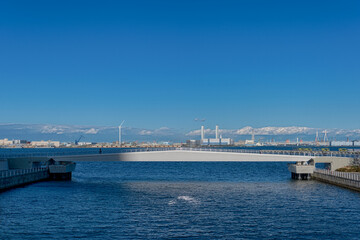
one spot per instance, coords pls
(197, 154)
(185, 155)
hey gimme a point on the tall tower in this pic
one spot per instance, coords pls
(202, 133)
(119, 135)
(217, 132)
(120, 128)
(325, 136)
(317, 137)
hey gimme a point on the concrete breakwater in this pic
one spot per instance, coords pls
(343, 179)
(14, 178)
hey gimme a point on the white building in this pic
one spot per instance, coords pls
(345, 144)
(45, 143)
(7, 142)
(84, 143)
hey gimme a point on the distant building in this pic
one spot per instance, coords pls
(193, 143)
(345, 143)
(84, 143)
(252, 141)
(249, 142)
(214, 141)
(239, 143)
(45, 143)
(5, 142)
(19, 142)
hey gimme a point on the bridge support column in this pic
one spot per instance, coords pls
(61, 176)
(301, 176)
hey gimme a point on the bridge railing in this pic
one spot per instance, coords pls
(345, 175)
(16, 172)
(88, 151)
(278, 152)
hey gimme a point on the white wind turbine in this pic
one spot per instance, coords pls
(120, 132)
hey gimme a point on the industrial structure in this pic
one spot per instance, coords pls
(218, 140)
(252, 141)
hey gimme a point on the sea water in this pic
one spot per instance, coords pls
(180, 200)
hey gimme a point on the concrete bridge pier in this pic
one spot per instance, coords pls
(60, 171)
(60, 176)
(302, 170)
(301, 176)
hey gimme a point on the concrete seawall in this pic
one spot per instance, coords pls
(342, 179)
(15, 178)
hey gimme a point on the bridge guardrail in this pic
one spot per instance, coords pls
(126, 150)
(80, 152)
(280, 152)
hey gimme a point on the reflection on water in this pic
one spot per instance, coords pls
(180, 200)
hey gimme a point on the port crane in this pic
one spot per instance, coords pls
(78, 140)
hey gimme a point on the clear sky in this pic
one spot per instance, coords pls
(164, 63)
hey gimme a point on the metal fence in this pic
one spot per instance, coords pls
(17, 172)
(344, 175)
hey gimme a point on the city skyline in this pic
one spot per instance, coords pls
(252, 63)
(69, 133)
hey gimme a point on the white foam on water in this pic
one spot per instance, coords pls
(172, 202)
(186, 199)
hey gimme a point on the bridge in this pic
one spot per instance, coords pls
(333, 159)
(20, 169)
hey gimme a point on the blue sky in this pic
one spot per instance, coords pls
(165, 63)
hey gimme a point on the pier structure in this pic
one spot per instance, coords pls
(19, 177)
(22, 171)
(61, 170)
(305, 170)
(302, 170)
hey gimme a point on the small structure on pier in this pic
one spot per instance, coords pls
(61, 170)
(302, 170)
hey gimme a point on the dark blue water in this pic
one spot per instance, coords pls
(180, 200)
